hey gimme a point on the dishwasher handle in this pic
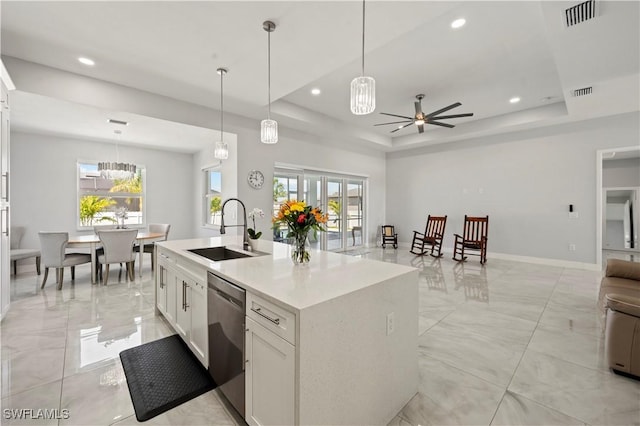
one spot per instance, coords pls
(232, 300)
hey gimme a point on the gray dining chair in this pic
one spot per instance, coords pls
(118, 248)
(18, 253)
(53, 247)
(160, 228)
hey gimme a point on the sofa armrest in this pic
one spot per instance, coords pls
(623, 269)
(626, 304)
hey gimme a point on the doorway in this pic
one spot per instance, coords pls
(341, 197)
(617, 201)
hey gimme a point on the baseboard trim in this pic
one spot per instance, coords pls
(448, 251)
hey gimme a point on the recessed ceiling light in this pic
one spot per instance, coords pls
(86, 61)
(514, 100)
(315, 91)
(458, 23)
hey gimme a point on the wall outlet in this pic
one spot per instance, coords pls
(572, 247)
(390, 323)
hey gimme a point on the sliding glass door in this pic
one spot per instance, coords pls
(341, 197)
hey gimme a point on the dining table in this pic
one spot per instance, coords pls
(92, 241)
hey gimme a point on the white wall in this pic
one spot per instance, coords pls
(254, 155)
(44, 182)
(524, 182)
(621, 173)
(229, 170)
(293, 149)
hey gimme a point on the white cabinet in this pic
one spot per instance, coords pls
(269, 377)
(5, 220)
(166, 288)
(270, 363)
(181, 296)
(199, 332)
(191, 315)
(183, 314)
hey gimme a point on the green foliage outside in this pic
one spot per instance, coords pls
(279, 191)
(216, 205)
(91, 206)
(132, 186)
(336, 207)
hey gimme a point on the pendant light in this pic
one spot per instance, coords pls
(117, 170)
(363, 89)
(269, 127)
(221, 151)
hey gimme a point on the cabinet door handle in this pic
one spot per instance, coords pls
(183, 293)
(5, 221)
(186, 286)
(258, 311)
(6, 186)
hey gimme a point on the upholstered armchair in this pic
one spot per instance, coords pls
(620, 295)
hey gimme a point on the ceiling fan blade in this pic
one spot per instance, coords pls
(433, 114)
(401, 127)
(396, 115)
(420, 128)
(437, 123)
(418, 106)
(393, 122)
(446, 117)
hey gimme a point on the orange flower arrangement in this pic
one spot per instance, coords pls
(300, 218)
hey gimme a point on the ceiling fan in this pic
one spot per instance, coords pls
(420, 119)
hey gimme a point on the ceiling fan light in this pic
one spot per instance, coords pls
(418, 122)
(221, 151)
(269, 131)
(363, 95)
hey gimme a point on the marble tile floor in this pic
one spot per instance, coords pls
(505, 344)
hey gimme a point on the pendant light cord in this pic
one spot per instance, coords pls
(269, 73)
(363, 11)
(221, 107)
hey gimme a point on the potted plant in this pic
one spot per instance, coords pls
(254, 235)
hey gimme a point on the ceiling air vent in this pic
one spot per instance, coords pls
(580, 13)
(583, 92)
(120, 122)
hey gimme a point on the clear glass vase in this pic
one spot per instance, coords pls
(299, 253)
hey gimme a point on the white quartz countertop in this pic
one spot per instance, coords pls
(274, 276)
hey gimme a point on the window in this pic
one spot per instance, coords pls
(212, 196)
(105, 201)
(330, 191)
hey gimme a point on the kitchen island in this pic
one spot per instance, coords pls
(331, 342)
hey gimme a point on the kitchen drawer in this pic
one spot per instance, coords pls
(166, 260)
(272, 317)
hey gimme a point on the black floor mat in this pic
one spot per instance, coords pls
(162, 375)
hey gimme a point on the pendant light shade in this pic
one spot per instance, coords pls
(117, 170)
(221, 151)
(269, 127)
(269, 131)
(363, 95)
(363, 89)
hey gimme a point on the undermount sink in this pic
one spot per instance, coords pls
(219, 253)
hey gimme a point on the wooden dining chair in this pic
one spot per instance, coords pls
(473, 240)
(389, 236)
(431, 238)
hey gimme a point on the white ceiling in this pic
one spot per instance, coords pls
(506, 49)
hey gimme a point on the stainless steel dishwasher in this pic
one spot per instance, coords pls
(226, 313)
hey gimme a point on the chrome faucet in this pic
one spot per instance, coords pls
(245, 235)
